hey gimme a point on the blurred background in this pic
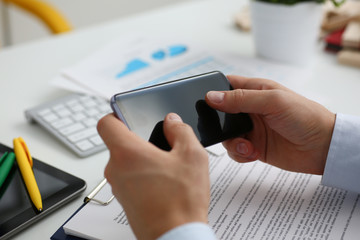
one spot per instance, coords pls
(19, 26)
(24, 21)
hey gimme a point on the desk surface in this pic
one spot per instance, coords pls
(27, 69)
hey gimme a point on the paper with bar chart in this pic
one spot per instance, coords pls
(139, 61)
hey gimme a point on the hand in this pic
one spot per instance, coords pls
(158, 190)
(290, 131)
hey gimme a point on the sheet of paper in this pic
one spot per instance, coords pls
(138, 61)
(95, 221)
(248, 201)
(62, 81)
(258, 201)
(216, 149)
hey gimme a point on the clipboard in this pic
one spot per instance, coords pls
(60, 233)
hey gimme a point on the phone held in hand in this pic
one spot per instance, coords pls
(143, 110)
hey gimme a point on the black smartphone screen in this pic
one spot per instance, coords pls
(143, 110)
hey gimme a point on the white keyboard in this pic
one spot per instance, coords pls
(72, 119)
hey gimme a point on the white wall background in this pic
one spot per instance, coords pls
(80, 13)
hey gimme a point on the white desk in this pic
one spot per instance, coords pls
(26, 70)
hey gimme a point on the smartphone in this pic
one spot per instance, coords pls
(143, 110)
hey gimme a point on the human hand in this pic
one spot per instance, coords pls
(290, 131)
(158, 190)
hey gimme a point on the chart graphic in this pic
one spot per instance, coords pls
(137, 64)
(132, 66)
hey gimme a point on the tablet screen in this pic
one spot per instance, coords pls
(17, 212)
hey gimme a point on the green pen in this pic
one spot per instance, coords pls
(6, 162)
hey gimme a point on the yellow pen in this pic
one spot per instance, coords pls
(24, 160)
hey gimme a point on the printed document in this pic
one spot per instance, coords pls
(138, 61)
(248, 201)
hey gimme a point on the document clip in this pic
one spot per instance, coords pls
(93, 193)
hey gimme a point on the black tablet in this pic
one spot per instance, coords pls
(16, 210)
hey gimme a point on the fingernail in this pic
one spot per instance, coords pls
(242, 149)
(174, 117)
(215, 97)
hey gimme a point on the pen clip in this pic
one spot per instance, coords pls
(26, 149)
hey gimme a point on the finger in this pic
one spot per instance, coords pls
(241, 148)
(244, 100)
(114, 134)
(178, 134)
(253, 83)
(241, 159)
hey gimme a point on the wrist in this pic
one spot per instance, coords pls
(154, 224)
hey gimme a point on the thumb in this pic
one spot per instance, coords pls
(179, 135)
(244, 100)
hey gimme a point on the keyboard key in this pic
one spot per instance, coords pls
(61, 123)
(97, 140)
(90, 103)
(58, 107)
(71, 129)
(90, 122)
(78, 116)
(77, 108)
(50, 117)
(63, 112)
(44, 112)
(72, 102)
(89, 132)
(84, 145)
(92, 112)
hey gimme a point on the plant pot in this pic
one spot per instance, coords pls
(286, 33)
